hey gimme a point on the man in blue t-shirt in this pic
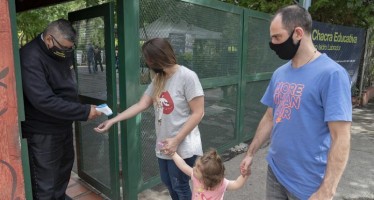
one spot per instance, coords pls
(309, 115)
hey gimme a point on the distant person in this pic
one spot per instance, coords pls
(178, 100)
(91, 59)
(98, 60)
(208, 176)
(117, 58)
(51, 106)
(308, 118)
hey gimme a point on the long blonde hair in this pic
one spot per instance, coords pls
(159, 54)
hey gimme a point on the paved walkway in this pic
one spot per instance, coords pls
(357, 182)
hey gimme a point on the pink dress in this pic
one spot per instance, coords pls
(199, 193)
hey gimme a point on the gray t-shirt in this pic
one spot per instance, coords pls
(180, 88)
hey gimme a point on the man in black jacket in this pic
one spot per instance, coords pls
(51, 106)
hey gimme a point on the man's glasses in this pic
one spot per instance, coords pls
(62, 47)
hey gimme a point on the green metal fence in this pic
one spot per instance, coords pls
(206, 40)
(227, 46)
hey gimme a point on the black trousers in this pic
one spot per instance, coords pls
(98, 62)
(51, 160)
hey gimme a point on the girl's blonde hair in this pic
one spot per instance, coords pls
(212, 169)
(160, 54)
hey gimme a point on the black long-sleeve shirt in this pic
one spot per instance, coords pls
(50, 93)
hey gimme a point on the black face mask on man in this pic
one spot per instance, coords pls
(65, 53)
(60, 53)
(286, 50)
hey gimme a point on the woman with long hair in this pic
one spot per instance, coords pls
(178, 99)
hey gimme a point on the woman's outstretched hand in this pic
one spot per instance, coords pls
(104, 127)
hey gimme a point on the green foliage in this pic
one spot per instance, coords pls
(359, 13)
(370, 67)
(261, 5)
(31, 23)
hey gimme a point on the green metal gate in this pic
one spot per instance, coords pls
(97, 154)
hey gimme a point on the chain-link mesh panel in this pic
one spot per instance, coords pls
(95, 152)
(218, 125)
(148, 136)
(254, 110)
(205, 40)
(94, 148)
(90, 58)
(260, 57)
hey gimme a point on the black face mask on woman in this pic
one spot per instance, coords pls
(157, 69)
(286, 50)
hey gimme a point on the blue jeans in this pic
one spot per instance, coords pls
(175, 180)
(275, 190)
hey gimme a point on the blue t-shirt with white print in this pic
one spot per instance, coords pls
(304, 100)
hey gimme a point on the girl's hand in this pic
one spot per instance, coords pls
(104, 127)
(245, 165)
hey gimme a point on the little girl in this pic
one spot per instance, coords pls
(208, 176)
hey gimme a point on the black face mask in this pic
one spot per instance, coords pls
(157, 69)
(286, 50)
(61, 54)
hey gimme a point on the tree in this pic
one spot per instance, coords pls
(359, 13)
(33, 22)
(261, 5)
(30, 23)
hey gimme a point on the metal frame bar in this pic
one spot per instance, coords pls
(242, 86)
(129, 93)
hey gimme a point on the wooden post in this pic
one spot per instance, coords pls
(11, 173)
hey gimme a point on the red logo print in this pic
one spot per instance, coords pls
(166, 102)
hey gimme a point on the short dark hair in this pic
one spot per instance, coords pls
(61, 27)
(295, 16)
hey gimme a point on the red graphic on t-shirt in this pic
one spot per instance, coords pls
(287, 96)
(166, 102)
